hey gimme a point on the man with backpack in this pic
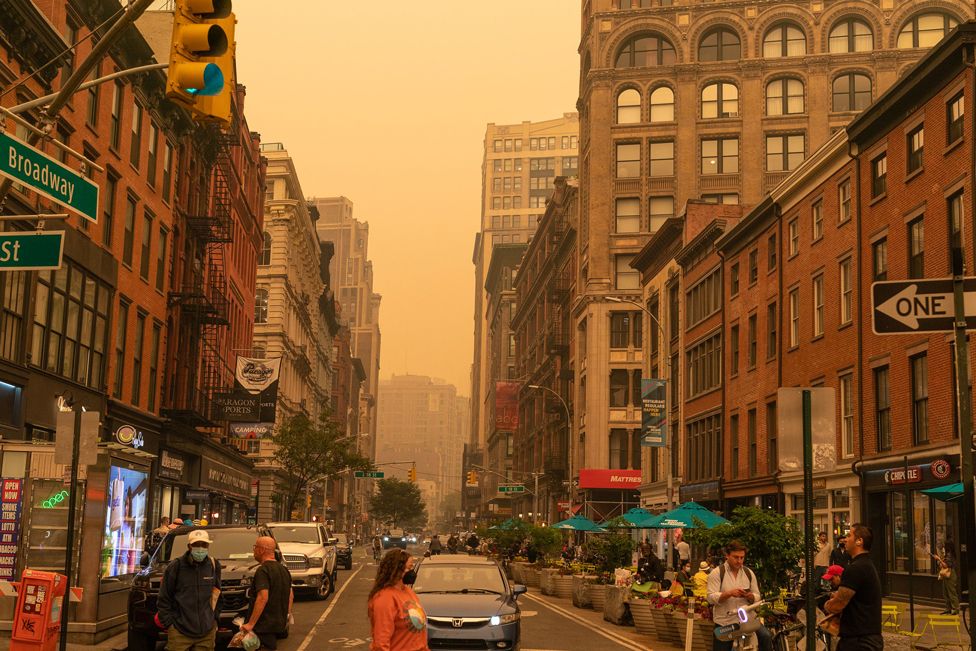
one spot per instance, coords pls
(731, 586)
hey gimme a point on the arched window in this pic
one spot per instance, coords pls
(784, 40)
(850, 35)
(265, 258)
(720, 100)
(662, 104)
(645, 50)
(784, 97)
(925, 30)
(720, 44)
(261, 306)
(629, 106)
(851, 92)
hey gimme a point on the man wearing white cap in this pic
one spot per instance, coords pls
(188, 596)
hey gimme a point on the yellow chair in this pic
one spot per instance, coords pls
(891, 618)
(937, 624)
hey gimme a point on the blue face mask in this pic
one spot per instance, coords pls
(199, 554)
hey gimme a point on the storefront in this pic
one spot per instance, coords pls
(910, 526)
(609, 493)
(761, 492)
(172, 478)
(836, 503)
(708, 494)
(229, 488)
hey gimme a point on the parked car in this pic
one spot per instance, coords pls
(469, 603)
(343, 550)
(394, 538)
(232, 547)
(310, 555)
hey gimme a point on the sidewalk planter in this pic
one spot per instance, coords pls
(518, 574)
(563, 584)
(702, 631)
(531, 576)
(615, 610)
(598, 596)
(665, 628)
(640, 610)
(547, 581)
(581, 591)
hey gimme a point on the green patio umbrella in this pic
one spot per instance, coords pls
(578, 523)
(628, 520)
(946, 492)
(507, 525)
(683, 517)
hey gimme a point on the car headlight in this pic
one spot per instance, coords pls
(386, 539)
(497, 620)
(317, 561)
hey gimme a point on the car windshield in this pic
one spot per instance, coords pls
(306, 535)
(341, 538)
(463, 578)
(228, 544)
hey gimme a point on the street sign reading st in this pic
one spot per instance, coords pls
(369, 474)
(511, 488)
(25, 251)
(23, 164)
(905, 306)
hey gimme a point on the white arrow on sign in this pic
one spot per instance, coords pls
(908, 306)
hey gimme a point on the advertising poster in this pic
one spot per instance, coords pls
(125, 521)
(506, 405)
(654, 417)
(11, 500)
(259, 377)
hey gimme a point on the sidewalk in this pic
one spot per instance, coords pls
(118, 642)
(896, 640)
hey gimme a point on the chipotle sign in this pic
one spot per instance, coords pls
(615, 479)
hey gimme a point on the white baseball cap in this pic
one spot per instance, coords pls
(198, 536)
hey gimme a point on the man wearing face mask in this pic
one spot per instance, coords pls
(188, 597)
(271, 596)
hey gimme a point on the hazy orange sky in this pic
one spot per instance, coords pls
(386, 102)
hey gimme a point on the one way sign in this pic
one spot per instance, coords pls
(903, 306)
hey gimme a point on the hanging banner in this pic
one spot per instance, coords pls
(11, 500)
(654, 417)
(259, 377)
(506, 405)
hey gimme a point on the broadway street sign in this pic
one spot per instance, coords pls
(905, 306)
(368, 474)
(23, 164)
(511, 488)
(31, 250)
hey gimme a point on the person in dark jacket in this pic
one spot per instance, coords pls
(188, 597)
(839, 555)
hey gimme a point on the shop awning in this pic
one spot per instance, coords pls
(946, 492)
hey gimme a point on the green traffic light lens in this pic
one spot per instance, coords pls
(213, 82)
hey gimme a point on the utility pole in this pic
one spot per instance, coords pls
(569, 427)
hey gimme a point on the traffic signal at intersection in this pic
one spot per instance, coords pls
(412, 474)
(472, 478)
(201, 63)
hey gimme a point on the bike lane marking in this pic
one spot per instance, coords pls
(335, 599)
(613, 637)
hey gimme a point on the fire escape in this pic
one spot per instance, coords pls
(202, 297)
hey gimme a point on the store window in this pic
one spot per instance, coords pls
(47, 531)
(918, 532)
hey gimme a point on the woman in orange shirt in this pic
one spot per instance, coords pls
(397, 620)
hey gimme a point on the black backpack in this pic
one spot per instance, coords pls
(721, 576)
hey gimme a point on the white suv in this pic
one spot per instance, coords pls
(310, 555)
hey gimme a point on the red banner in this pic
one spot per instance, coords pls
(506, 405)
(616, 479)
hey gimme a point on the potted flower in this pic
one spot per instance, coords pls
(640, 609)
(563, 581)
(665, 625)
(598, 591)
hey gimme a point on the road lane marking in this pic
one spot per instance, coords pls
(335, 599)
(613, 637)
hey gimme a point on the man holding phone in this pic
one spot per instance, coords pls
(731, 586)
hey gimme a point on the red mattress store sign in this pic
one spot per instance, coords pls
(614, 479)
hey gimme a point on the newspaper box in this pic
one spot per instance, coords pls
(37, 619)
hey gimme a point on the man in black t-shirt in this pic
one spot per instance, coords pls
(858, 599)
(271, 596)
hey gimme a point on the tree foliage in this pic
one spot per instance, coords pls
(611, 550)
(398, 503)
(308, 450)
(774, 541)
(547, 541)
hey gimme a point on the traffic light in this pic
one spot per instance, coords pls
(472, 478)
(201, 62)
(412, 474)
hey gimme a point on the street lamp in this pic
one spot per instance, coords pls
(569, 427)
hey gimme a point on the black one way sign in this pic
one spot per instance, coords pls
(903, 306)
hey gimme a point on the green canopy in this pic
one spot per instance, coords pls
(946, 492)
(507, 525)
(628, 520)
(578, 523)
(683, 517)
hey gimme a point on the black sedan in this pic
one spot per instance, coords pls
(343, 550)
(469, 603)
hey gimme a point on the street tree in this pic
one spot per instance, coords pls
(308, 450)
(398, 503)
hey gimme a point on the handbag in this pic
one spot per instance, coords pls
(944, 573)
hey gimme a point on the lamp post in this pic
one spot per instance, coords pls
(569, 427)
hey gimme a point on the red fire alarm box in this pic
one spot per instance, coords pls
(37, 619)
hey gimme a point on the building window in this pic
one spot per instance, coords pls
(265, 258)
(916, 248)
(955, 218)
(955, 112)
(772, 318)
(618, 448)
(720, 44)
(818, 305)
(662, 158)
(850, 35)
(725, 198)
(628, 215)
(753, 448)
(879, 259)
(626, 277)
(846, 292)
(734, 279)
(151, 154)
(120, 340)
(920, 398)
(851, 92)
(734, 350)
(784, 40)
(720, 156)
(261, 306)
(882, 407)
(620, 329)
(752, 344)
(628, 107)
(137, 357)
(916, 146)
(108, 214)
(674, 299)
(662, 104)
(847, 414)
(793, 232)
(705, 366)
(153, 365)
(703, 299)
(144, 255)
(844, 200)
(645, 50)
(734, 435)
(135, 143)
(753, 266)
(879, 175)
(816, 213)
(91, 117)
(720, 100)
(772, 441)
(784, 152)
(660, 209)
(129, 231)
(619, 386)
(704, 448)
(925, 30)
(628, 160)
(116, 124)
(161, 258)
(167, 170)
(794, 317)
(784, 97)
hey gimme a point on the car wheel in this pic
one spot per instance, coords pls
(348, 565)
(325, 587)
(140, 641)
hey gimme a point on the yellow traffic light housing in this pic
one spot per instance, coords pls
(412, 474)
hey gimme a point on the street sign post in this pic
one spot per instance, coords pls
(368, 474)
(31, 251)
(511, 488)
(906, 306)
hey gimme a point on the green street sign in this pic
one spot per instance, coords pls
(369, 474)
(511, 488)
(31, 250)
(23, 164)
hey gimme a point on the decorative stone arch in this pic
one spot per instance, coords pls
(640, 26)
(628, 85)
(846, 70)
(904, 14)
(718, 79)
(657, 84)
(799, 16)
(728, 19)
(779, 75)
(868, 12)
